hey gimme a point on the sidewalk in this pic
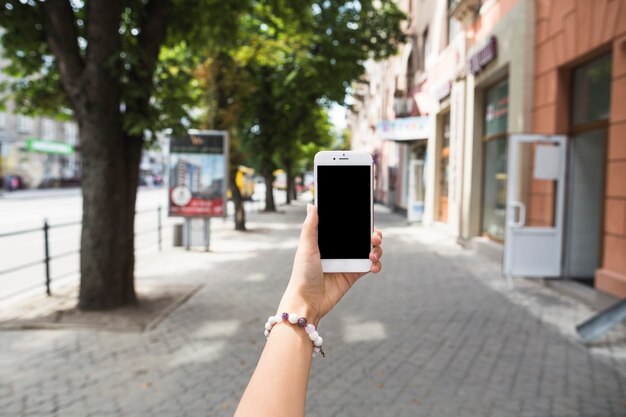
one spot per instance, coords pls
(435, 334)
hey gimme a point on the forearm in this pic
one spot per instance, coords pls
(278, 386)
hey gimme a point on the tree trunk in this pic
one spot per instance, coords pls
(287, 189)
(240, 213)
(110, 174)
(269, 193)
(291, 188)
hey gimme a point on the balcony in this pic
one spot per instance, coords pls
(404, 106)
(465, 11)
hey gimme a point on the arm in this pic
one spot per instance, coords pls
(278, 386)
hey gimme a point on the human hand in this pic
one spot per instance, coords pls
(310, 292)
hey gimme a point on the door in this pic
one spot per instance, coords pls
(535, 200)
(584, 214)
(415, 206)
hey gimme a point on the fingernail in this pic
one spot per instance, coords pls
(309, 207)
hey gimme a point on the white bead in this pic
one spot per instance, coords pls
(267, 333)
(318, 341)
(279, 318)
(293, 318)
(316, 349)
(268, 326)
(271, 319)
(309, 328)
(313, 336)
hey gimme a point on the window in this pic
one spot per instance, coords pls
(425, 50)
(454, 26)
(494, 160)
(592, 91)
(48, 129)
(71, 133)
(24, 124)
(444, 168)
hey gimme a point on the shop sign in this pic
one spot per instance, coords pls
(46, 146)
(198, 171)
(484, 56)
(406, 128)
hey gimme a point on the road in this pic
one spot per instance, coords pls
(27, 210)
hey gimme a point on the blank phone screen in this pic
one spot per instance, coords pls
(343, 206)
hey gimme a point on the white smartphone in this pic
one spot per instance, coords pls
(344, 201)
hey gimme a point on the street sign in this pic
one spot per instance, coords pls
(198, 177)
(46, 146)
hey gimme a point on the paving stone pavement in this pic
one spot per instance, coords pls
(426, 337)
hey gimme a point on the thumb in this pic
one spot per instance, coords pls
(308, 235)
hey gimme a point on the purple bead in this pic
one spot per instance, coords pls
(285, 316)
(301, 322)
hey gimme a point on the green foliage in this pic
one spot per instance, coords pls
(299, 59)
(35, 86)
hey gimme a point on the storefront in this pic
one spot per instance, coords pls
(400, 180)
(445, 83)
(499, 104)
(581, 85)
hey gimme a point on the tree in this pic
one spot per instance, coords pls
(303, 57)
(115, 67)
(223, 88)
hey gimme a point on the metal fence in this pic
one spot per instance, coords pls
(46, 231)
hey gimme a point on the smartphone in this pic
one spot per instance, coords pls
(344, 201)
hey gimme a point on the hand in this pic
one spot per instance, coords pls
(310, 292)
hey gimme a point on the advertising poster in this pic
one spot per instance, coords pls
(198, 174)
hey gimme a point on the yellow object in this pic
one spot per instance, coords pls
(244, 180)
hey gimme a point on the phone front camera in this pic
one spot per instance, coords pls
(333, 159)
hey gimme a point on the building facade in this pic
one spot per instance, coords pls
(37, 151)
(580, 93)
(507, 129)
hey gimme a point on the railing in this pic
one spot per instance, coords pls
(47, 259)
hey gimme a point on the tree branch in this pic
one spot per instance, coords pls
(62, 36)
(152, 33)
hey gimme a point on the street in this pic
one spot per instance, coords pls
(27, 210)
(432, 335)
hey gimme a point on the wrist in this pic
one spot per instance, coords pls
(292, 303)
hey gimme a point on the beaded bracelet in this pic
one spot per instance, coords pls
(292, 318)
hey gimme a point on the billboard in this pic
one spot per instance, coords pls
(198, 174)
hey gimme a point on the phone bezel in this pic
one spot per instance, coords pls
(346, 158)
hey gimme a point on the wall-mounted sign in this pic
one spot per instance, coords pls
(46, 146)
(406, 128)
(484, 56)
(198, 174)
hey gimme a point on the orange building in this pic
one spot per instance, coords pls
(580, 92)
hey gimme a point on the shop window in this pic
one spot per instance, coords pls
(494, 188)
(444, 168)
(497, 109)
(592, 91)
(495, 160)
